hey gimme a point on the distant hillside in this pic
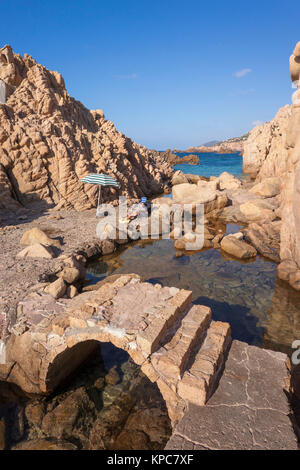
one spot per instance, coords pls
(235, 144)
(211, 143)
(242, 138)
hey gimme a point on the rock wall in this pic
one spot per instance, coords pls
(49, 141)
(273, 149)
(265, 152)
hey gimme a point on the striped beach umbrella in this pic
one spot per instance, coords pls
(102, 180)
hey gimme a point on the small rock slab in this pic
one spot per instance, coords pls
(36, 251)
(249, 410)
(238, 248)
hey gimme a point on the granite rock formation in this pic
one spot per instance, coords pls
(273, 150)
(49, 141)
(265, 153)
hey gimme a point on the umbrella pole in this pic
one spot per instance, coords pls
(99, 196)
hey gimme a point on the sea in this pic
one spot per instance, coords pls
(213, 164)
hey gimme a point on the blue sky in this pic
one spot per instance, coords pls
(169, 74)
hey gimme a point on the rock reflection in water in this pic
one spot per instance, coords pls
(108, 404)
(261, 310)
(283, 324)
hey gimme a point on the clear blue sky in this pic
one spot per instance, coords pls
(165, 72)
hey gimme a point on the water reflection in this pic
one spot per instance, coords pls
(261, 310)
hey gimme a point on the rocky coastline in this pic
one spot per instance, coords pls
(48, 235)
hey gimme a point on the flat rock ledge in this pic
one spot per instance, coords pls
(249, 410)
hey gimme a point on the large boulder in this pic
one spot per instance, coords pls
(36, 251)
(253, 211)
(70, 275)
(194, 194)
(36, 235)
(237, 248)
(228, 181)
(178, 178)
(57, 288)
(209, 185)
(268, 187)
(265, 238)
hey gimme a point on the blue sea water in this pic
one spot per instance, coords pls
(213, 164)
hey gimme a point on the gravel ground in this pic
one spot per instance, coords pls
(17, 275)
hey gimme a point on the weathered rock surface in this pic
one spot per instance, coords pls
(157, 326)
(273, 150)
(265, 238)
(49, 141)
(199, 194)
(228, 181)
(254, 210)
(237, 248)
(249, 410)
(269, 187)
(295, 64)
(265, 153)
(36, 235)
(57, 288)
(36, 251)
(179, 177)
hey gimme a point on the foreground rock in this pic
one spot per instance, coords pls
(65, 142)
(157, 326)
(57, 288)
(249, 410)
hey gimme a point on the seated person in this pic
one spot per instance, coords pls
(143, 207)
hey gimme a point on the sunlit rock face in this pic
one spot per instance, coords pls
(290, 234)
(265, 152)
(273, 149)
(49, 141)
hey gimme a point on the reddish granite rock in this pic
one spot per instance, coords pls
(65, 141)
(249, 410)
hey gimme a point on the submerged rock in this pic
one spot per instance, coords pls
(45, 444)
(237, 248)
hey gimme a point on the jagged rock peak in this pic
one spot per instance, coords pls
(49, 141)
